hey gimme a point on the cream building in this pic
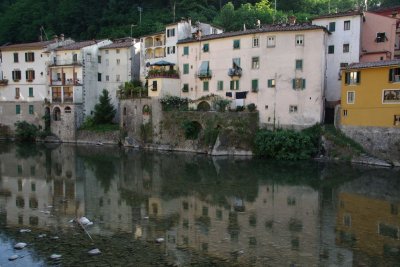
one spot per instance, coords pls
(279, 68)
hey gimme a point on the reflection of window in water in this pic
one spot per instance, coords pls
(394, 209)
(33, 203)
(388, 231)
(396, 120)
(155, 208)
(291, 201)
(347, 220)
(20, 202)
(33, 221)
(20, 219)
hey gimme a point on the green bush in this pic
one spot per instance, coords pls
(284, 145)
(174, 103)
(25, 132)
(251, 107)
(104, 111)
(221, 104)
(191, 129)
(239, 108)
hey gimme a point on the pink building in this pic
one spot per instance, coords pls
(378, 37)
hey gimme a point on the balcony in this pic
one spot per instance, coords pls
(162, 73)
(204, 74)
(3, 82)
(56, 99)
(66, 62)
(235, 72)
(58, 82)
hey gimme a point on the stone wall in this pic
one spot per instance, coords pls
(380, 142)
(98, 138)
(8, 116)
(65, 128)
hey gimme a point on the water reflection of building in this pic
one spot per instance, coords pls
(368, 220)
(282, 220)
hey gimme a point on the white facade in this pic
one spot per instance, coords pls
(292, 52)
(343, 47)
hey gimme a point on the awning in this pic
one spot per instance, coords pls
(162, 63)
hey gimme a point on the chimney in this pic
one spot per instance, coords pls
(55, 38)
(62, 37)
(199, 34)
(292, 20)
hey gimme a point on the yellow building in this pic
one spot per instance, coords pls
(371, 94)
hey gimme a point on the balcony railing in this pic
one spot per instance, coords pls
(66, 62)
(3, 82)
(235, 72)
(68, 99)
(56, 99)
(204, 74)
(66, 82)
(173, 74)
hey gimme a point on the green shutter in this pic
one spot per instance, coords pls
(358, 76)
(220, 85)
(206, 47)
(185, 68)
(254, 85)
(347, 78)
(186, 50)
(304, 84)
(18, 109)
(30, 109)
(30, 91)
(237, 84)
(185, 88)
(391, 75)
(205, 86)
(232, 85)
(294, 83)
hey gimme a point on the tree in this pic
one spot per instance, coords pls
(104, 111)
(25, 132)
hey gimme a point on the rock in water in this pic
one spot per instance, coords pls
(20, 245)
(42, 235)
(13, 257)
(84, 221)
(94, 251)
(160, 240)
(55, 256)
(25, 231)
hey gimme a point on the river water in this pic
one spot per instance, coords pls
(178, 209)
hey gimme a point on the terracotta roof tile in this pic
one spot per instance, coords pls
(266, 28)
(340, 14)
(120, 43)
(34, 45)
(79, 45)
(374, 64)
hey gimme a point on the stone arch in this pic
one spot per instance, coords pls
(146, 110)
(192, 129)
(56, 114)
(124, 111)
(67, 109)
(203, 106)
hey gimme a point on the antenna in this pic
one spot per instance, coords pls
(140, 9)
(41, 33)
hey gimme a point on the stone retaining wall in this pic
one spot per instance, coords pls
(379, 141)
(90, 137)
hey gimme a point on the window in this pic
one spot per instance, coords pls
(89, 57)
(67, 110)
(30, 91)
(18, 109)
(31, 109)
(117, 51)
(331, 49)
(205, 86)
(74, 58)
(353, 77)
(171, 32)
(118, 61)
(394, 75)
(299, 64)
(332, 26)
(394, 210)
(271, 41)
(154, 87)
(396, 121)
(391, 96)
(234, 85)
(292, 109)
(99, 77)
(345, 113)
(254, 85)
(255, 63)
(271, 83)
(117, 77)
(347, 25)
(346, 48)
(30, 75)
(381, 37)
(185, 68)
(299, 40)
(256, 42)
(389, 231)
(205, 211)
(185, 88)
(299, 83)
(206, 48)
(57, 114)
(16, 57)
(29, 57)
(106, 51)
(220, 85)
(19, 182)
(17, 93)
(33, 185)
(291, 201)
(170, 50)
(107, 62)
(186, 50)
(351, 97)
(107, 78)
(236, 44)
(236, 62)
(99, 59)
(16, 75)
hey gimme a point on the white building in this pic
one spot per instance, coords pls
(343, 47)
(23, 81)
(279, 68)
(162, 45)
(116, 66)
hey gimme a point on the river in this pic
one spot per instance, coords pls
(179, 209)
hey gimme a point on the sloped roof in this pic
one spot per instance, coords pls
(266, 28)
(119, 43)
(374, 64)
(34, 45)
(340, 14)
(79, 45)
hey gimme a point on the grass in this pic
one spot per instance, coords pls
(101, 128)
(344, 147)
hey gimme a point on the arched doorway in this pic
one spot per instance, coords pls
(47, 119)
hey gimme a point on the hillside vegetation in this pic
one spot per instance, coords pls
(22, 20)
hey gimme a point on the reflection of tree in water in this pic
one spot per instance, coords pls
(103, 167)
(27, 150)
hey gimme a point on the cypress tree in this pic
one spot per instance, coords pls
(104, 111)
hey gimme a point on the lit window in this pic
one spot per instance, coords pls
(353, 77)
